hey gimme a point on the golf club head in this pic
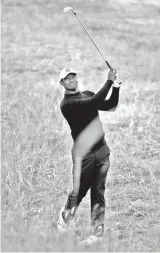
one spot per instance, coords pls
(68, 9)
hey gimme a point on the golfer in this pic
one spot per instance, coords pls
(80, 109)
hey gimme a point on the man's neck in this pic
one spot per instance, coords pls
(71, 91)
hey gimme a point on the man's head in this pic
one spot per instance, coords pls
(68, 79)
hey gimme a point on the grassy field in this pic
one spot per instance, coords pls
(38, 40)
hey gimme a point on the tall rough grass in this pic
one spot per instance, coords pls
(36, 141)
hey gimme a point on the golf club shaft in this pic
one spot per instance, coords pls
(93, 41)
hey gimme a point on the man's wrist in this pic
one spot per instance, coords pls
(116, 84)
(110, 81)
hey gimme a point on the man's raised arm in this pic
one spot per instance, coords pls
(100, 96)
(112, 102)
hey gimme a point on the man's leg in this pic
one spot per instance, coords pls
(88, 167)
(97, 196)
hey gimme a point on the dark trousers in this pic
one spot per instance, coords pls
(94, 170)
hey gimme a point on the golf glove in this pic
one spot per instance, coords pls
(118, 81)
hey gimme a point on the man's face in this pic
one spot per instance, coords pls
(70, 82)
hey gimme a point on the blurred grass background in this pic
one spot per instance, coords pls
(38, 40)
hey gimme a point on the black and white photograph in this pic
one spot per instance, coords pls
(80, 126)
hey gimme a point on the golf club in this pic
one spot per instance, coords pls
(71, 9)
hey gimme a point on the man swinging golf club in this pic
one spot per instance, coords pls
(90, 153)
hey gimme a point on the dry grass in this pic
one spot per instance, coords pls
(38, 39)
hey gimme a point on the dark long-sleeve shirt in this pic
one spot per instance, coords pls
(81, 108)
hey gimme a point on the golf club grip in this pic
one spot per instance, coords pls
(109, 66)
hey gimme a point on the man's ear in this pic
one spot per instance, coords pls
(61, 82)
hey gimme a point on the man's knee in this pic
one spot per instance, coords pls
(105, 167)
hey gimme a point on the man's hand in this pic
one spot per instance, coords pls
(112, 75)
